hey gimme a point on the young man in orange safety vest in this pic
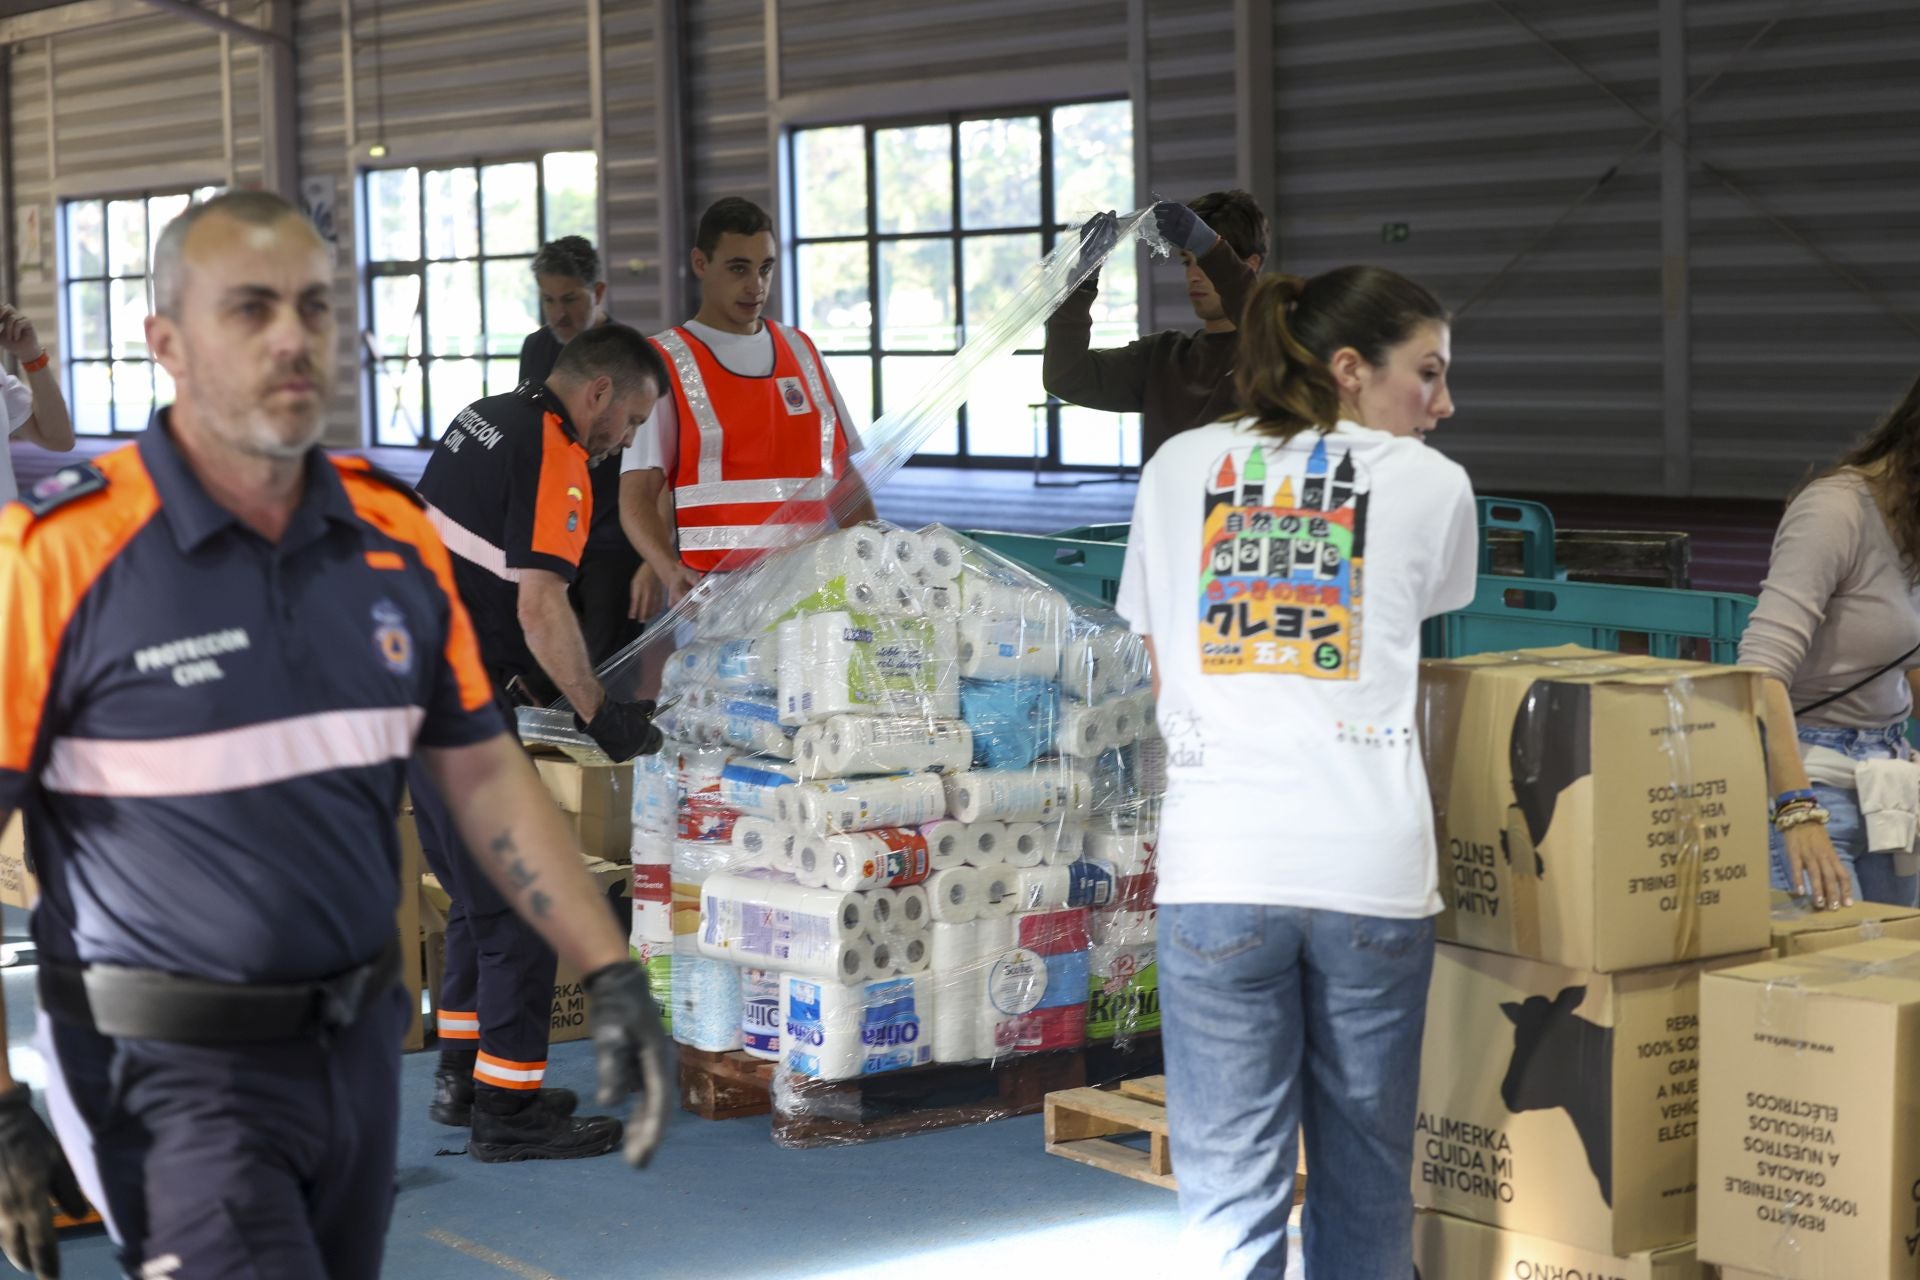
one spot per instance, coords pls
(751, 420)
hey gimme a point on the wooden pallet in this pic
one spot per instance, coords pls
(721, 1086)
(1082, 1123)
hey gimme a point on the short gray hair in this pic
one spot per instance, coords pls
(256, 208)
(571, 256)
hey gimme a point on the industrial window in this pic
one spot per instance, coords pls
(907, 235)
(112, 383)
(450, 294)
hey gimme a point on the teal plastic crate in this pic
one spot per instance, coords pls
(1530, 613)
(1087, 560)
(1532, 521)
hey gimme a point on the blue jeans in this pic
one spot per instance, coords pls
(1275, 1017)
(1872, 874)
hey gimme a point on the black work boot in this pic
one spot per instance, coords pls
(452, 1103)
(508, 1126)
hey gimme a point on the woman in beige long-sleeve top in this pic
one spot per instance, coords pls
(1838, 631)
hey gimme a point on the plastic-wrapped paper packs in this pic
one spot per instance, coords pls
(1047, 791)
(750, 784)
(851, 745)
(775, 923)
(836, 662)
(765, 843)
(998, 647)
(1123, 998)
(888, 858)
(843, 805)
(1013, 721)
(836, 1031)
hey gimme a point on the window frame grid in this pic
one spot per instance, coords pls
(1050, 230)
(372, 270)
(69, 362)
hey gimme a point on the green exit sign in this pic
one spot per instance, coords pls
(1395, 232)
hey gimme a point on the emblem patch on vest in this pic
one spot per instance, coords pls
(792, 396)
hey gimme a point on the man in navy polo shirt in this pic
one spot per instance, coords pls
(219, 650)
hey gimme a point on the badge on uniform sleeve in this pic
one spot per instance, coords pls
(391, 639)
(63, 486)
(792, 395)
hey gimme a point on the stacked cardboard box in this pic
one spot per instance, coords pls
(18, 888)
(597, 801)
(1799, 928)
(1810, 1134)
(1601, 821)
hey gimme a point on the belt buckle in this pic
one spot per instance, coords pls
(342, 997)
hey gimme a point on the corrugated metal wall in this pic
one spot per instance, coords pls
(1820, 124)
(726, 92)
(1190, 124)
(1449, 118)
(836, 44)
(132, 107)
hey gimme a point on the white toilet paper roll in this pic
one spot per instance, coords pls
(1048, 790)
(1037, 606)
(912, 955)
(999, 887)
(748, 919)
(954, 949)
(747, 666)
(912, 911)
(1082, 730)
(751, 783)
(988, 839)
(763, 842)
(652, 929)
(905, 553)
(1083, 668)
(954, 895)
(706, 1001)
(948, 843)
(880, 912)
(895, 744)
(1042, 889)
(809, 751)
(889, 858)
(838, 662)
(1122, 928)
(1027, 844)
(1068, 844)
(1123, 723)
(1000, 648)
(864, 804)
(996, 939)
(943, 556)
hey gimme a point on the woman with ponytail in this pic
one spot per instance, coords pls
(1838, 633)
(1280, 566)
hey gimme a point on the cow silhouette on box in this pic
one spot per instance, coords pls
(1548, 751)
(1564, 1061)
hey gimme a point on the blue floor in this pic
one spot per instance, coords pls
(722, 1200)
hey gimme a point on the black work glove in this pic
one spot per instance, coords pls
(33, 1174)
(1096, 242)
(622, 729)
(1181, 227)
(633, 1053)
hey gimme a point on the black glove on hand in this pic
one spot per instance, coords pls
(633, 1053)
(1096, 242)
(622, 729)
(33, 1174)
(1181, 227)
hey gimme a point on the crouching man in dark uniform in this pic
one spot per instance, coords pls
(508, 488)
(219, 650)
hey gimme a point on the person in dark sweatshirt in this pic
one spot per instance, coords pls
(1172, 379)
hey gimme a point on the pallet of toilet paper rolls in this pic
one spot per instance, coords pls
(904, 817)
(1601, 811)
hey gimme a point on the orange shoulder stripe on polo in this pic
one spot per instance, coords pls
(47, 566)
(565, 492)
(391, 512)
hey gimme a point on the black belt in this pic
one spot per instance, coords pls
(145, 1004)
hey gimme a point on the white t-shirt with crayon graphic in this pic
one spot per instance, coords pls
(1284, 584)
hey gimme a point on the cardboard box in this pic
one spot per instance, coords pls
(1561, 1103)
(1798, 928)
(1448, 1248)
(1601, 811)
(569, 1013)
(18, 888)
(1810, 1124)
(406, 922)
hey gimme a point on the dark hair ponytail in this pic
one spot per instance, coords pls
(1293, 327)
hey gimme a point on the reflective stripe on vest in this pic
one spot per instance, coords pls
(717, 513)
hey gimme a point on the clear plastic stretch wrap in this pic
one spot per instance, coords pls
(906, 810)
(905, 815)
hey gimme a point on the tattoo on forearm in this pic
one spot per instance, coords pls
(506, 857)
(539, 903)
